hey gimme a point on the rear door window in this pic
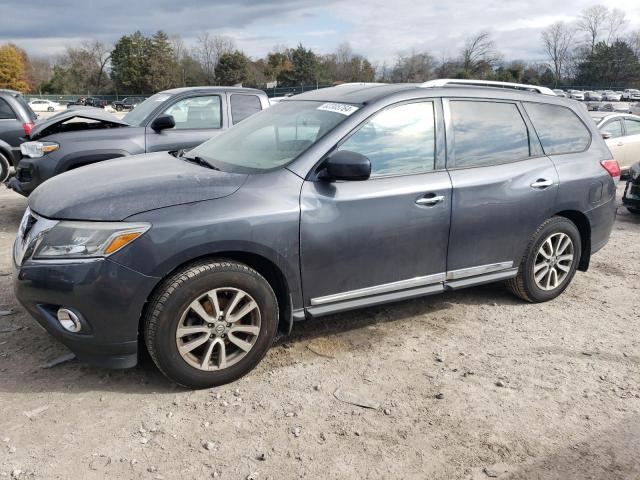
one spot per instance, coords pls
(243, 106)
(559, 129)
(633, 126)
(5, 111)
(488, 133)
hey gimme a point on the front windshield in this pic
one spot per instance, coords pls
(142, 111)
(273, 137)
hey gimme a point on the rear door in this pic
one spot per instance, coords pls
(198, 118)
(616, 139)
(504, 187)
(632, 141)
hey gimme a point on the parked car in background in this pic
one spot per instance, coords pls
(622, 135)
(88, 102)
(576, 94)
(611, 96)
(128, 103)
(560, 93)
(332, 200)
(39, 105)
(169, 120)
(631, 196)
(631, 95)
(592, 96)
(16, 121)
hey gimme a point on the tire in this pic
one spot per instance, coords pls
(171, 307)
(50, 109)
(4, 168)
(525, 285)
(119, 108)
(635, 211)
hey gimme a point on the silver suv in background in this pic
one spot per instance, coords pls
(332, 200)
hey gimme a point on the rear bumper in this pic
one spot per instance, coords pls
(107, 297)
(631, 196)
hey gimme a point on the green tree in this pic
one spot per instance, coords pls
(13, 68)
(232, 68)
(612, 65)
(130, 64)
(162, 64)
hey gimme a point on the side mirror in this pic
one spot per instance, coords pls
(163, 122)
(347, 165)
(606, 135)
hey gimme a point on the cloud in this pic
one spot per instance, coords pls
(379, 29)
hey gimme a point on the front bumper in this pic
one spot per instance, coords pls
(108, 298)
(631, 196)
(31, 172)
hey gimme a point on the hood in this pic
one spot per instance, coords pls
(116, 189)
(48, 126)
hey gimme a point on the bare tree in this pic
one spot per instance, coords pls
(101, 54)
(615, 24)
(592, 21)
(478, 49)
(556, 39)
(634, 42)
(210, 48)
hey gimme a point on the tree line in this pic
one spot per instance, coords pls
(595, 49)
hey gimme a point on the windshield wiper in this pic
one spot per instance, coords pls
(199, 161)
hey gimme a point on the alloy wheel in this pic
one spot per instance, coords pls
(218, 329)
(553, 261)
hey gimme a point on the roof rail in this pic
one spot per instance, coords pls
(441, 82)
(362, 84)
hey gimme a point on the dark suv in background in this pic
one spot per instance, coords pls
(331, 200)
(128, 103)
(170, 120)
(16, 121)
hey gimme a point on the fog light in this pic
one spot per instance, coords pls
(69, 320)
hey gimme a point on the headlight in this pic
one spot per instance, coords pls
(87, 239)
(38, 149)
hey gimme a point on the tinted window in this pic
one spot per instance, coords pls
(399, 140)
(243, 106)
(633, 126)
(486, 133)
(5, 110)
(614, 128)
(559, 129)
(196, 112)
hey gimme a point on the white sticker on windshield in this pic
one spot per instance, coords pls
(341, 108)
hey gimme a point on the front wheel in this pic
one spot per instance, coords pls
(119, 108)
(211, 323)
(550, 261)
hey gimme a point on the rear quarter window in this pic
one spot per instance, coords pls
(5, 111)
(559, 129)
(243, 106)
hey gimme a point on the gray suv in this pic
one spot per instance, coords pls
(329, 201)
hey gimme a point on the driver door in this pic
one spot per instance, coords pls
(197, 120)
(361, 240)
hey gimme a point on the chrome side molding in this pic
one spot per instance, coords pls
(479, 270)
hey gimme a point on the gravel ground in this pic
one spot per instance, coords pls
(470, 385)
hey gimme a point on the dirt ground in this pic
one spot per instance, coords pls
(470, 385)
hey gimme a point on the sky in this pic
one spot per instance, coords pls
(377, 29)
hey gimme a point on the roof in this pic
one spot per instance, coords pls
(357, 94)
(175, 91)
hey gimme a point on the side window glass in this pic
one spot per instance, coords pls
(5, 110)
(633, 126)
(614, 128)
(488, 133)
(399, 140)
(197, 112)
(243, 106)
(559, 129)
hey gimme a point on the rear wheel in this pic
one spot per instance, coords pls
(4, 168)
(119, 108)
(550, 261)
(211, 323)
(50, 109)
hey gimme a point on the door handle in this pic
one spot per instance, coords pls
(429, 200)
(541, 184)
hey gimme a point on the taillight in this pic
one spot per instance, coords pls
(27, 128)
(612, 167)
